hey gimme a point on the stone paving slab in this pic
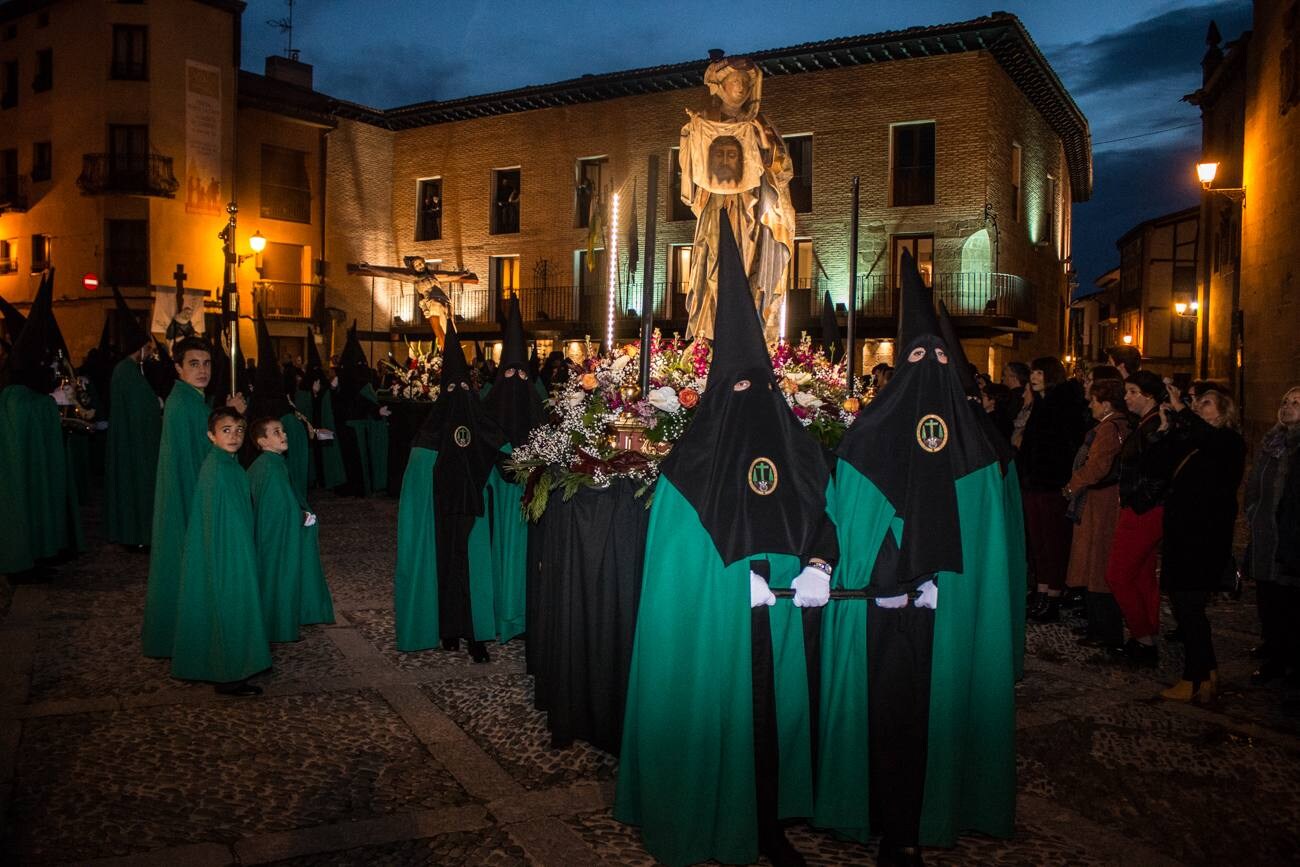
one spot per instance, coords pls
(96, 785)
(492, 848)
(498, 713)
(1179, 783)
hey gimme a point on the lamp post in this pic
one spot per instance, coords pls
(230, 290)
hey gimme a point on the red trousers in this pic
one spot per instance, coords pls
(1131, 569)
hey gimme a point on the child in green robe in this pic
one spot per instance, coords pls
(293, 588)
(220, 633)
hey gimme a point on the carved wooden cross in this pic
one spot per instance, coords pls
(179, 276)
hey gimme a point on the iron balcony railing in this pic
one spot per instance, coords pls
(280, 299)
(127, 174)
(966, 294)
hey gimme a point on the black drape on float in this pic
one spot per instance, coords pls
(583, 594)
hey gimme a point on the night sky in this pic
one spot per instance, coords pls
(1126, 62)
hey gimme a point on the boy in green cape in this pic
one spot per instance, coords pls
(445, 580)
(286, 535)
(134, 435)
(917, 719)
(220, 633)
(271, 399)
(182, 450)
(717, 736)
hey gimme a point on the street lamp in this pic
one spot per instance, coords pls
(1127, 339)
(257, 244)
(1206, 173)
(1187, 308)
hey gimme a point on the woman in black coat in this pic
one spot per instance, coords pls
(1057, 423)
(1200, 515)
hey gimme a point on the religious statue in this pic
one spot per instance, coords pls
(733, 160)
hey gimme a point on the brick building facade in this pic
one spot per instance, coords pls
(332, 185)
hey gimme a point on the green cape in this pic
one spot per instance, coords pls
(299, 454)
(372, 441)
(509, 555)
(970, 779)
(686, 773)
(134, 435)
(331, 460)
(183, 447)
(293, 589)
(35, 519)
(415, 600)
(220, 634)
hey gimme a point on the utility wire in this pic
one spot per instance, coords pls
(1145, 134)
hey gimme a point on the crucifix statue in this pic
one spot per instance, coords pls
(181, 324)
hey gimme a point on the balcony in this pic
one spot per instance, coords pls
(980, 303)
(279, 299)
(13, 193)
(127, 175)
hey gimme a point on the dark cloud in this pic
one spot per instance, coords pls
(1167, 45)
(1131, 186)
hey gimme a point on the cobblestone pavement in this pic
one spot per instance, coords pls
(359, 754)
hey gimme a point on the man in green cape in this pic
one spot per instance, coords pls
(220, 634)
(313, 399)
(444, 582)
(182, 450)
(717, 736)
(37, 521)
(363, 436)
(286, 533)
(134, 435)
(514, 404)
(270, 400)
(918, 717)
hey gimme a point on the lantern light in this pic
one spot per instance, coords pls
(257, 243)
(1127, 339)
(1206, 172)
(1180, 307)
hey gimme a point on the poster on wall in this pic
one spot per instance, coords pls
(164, 310)
(202, 139)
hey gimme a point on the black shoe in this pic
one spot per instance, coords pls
(478, 652)
(1269, 670)
(776, 847)
(1048, 610)
(890, 855)
(1141, 655)
(1073, 598)
(451, 644)
(239, 689)
(1175, 635)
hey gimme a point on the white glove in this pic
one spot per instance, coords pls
(385, 412)
(812, 589)
(759, 592)
(929, 597)
(309, 520)
(892, 601)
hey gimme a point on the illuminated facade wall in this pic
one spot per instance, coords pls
(74, 116)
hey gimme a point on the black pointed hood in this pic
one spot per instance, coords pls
(831, 343)
(514, 350)
(219, 384)
(268, 386)
(14, 321)
(161, 372)
(465, 437)
(354, 376)
(957, 357)
(130, 335)
(33, 355)
(754, 476)
(315, 371)
(913, 442)
(916, 305)
(513, 401)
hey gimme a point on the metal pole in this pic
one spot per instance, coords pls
(372, 321)
(648, 271)
(853, 291)
(232, 294)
